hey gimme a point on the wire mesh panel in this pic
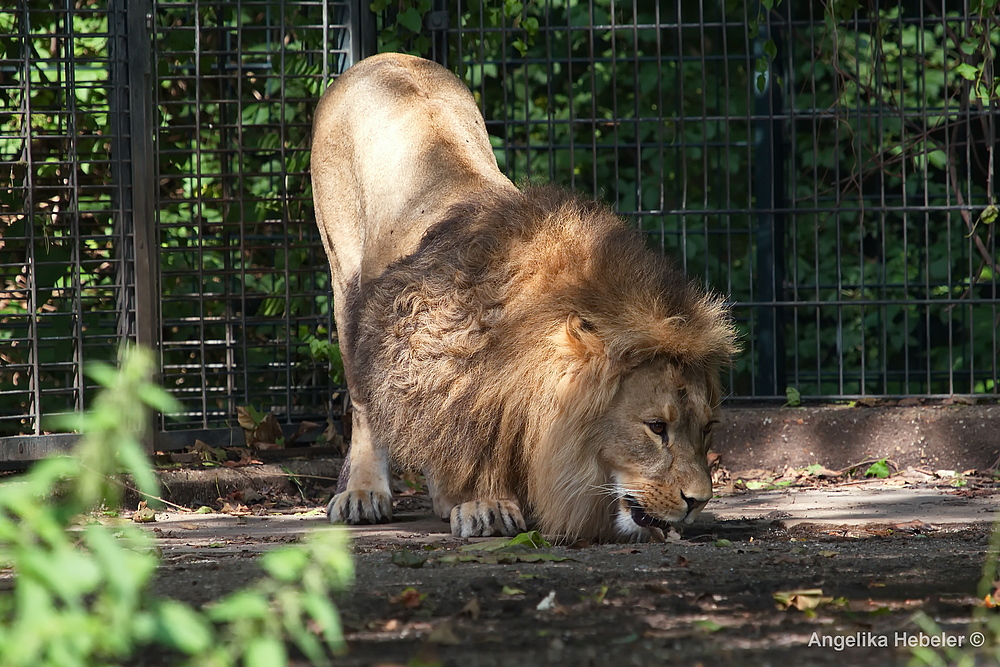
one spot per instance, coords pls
(824, 169)
(245, 308)
(830, 168)
(234, 280)
(892, 260)
(64, 263)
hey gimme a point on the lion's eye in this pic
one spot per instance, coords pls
(657, 427)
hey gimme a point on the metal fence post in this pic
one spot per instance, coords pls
(141, 131)
(768, 190)
(436, 22)
(364, 32)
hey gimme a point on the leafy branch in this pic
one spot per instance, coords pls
(81, 595)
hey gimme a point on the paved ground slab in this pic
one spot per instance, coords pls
(869, 554)
(852, 505)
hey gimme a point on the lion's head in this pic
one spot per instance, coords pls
(651, 445)
(534, 348)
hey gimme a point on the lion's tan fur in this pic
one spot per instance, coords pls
(483, 378)
(487, 348)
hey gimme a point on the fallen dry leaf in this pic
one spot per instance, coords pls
(238, 509)
(304, 428)
(444, 634)
(143, 513)
(409, 598)
(801, 599)
(264, 433)
(471, 608)
(206, 453)
(246, 459)
(915, 526)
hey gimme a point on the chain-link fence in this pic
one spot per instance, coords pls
(833, 172)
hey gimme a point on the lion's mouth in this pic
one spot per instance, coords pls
(641, 518)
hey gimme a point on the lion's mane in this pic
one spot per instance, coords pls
(478, 377)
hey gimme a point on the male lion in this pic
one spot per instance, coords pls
(524, 349)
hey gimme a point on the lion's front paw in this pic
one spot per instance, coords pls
(359, 507)
(484, 518)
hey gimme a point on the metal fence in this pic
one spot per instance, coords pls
(154, 158)
(825, 169)
(832, 173)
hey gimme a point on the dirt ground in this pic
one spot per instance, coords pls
(859, 557)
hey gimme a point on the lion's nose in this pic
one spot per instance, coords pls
(693, 504)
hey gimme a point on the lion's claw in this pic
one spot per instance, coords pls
(485, 518)
(360, 507)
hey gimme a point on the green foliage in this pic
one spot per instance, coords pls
(879, 469)
(328, 351)
(982, 645)
(794, 398)
(80, 595)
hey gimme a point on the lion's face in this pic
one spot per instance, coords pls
(654, 442)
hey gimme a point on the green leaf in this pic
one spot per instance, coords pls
(245, 604)
(134, 460)
(102, 373)
(967, 71)
(322, 611)
(285, 564)
(265, 652)
(793, 396)
(407, 558)
(158, 398)
(181, 628)
(770, 48)
(989, 215)
(531, 539)
(707, 626)
(529, 557)
(879, 469)
(410, 19)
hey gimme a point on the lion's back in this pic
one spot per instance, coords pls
(396, 141)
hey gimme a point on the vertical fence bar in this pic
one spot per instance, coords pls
(364, 32)
(143, 175)
(35, 372)
(121, 171)
(768, 186)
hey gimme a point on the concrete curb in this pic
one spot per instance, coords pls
(958, 437)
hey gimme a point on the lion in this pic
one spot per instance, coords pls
(523, 348)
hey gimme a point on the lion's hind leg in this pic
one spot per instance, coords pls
(366, 497)
(486, 518)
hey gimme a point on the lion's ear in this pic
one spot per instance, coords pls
(582, 336)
